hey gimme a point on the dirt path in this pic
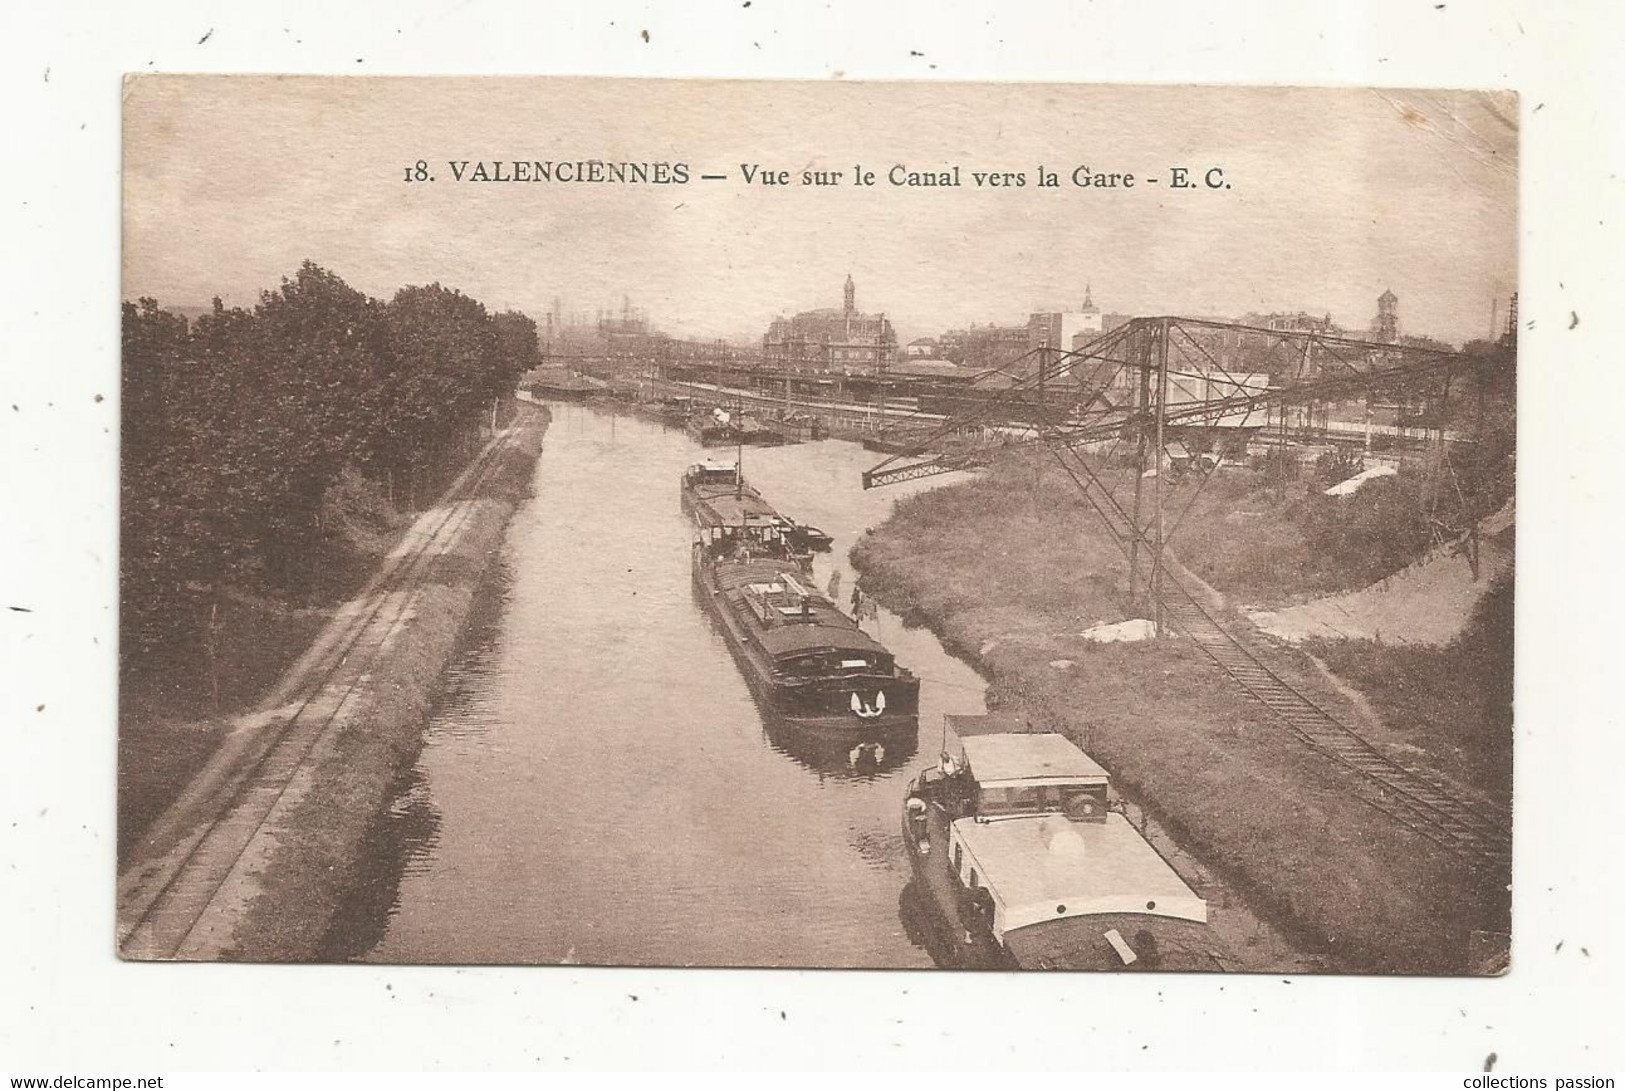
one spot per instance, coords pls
(195, 872)
(1428, 603)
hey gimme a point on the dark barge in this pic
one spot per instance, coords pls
(731, 427)
(806, 661)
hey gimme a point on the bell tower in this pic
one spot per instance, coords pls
(1387, 325)
(851, 295)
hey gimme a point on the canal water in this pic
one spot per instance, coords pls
(597, 783)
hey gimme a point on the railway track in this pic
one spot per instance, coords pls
(1410, 797)
(212, 831)
(1413, 799)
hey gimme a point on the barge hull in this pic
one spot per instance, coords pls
(820, 706)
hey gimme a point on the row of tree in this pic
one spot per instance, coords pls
(236, 425)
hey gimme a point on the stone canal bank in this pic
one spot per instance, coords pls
(1009, 585)
(256, 856)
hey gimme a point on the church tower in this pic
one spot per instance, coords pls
(851, 295)
(1387, 325)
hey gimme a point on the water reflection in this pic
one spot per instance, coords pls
(877, 753)
(606, 789)
(922, 924)
(460, 712)
(408, 831)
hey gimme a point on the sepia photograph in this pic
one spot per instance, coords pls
(841, 524)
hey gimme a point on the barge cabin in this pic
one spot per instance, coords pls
(713, 480)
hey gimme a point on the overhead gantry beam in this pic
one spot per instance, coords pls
(1321, 367)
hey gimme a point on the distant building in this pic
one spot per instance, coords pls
(1291, 322)
(1065, 330)
(1056, 330)
(1386, 325)
(923, 348)
(983, 348)
(616, 338)
(843, 340)
(1068, 330)
(1092, 318)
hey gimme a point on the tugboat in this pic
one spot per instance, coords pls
(674, 411)
(757, 434)
(716, 428)
(806, 661)
(805, 536)
(1025, 863)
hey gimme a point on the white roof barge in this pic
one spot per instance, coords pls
(1047, 867)
(1062, 880)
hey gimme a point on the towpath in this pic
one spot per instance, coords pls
(193, 874)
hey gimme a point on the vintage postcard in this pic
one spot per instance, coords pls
(862, 525)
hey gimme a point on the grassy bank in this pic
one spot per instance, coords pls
(172, 719)
(1007, 570)
(1454, 702)
(315, 866)
(1262, 541)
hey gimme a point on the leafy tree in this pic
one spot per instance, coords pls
(442, 353)
(518, 350)
(159, 549)
(318, 368)
(237, 426)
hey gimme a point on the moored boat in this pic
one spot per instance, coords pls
(806, 537)
(717, 428)
(805, 660)
(713, 480)
(1016, 846)
(758, 434)
(560, 385)
(796, 427)
(675, 411)
(669, 412)
(895, 444)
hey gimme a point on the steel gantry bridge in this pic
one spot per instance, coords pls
(1154, 379)
(1163, 371)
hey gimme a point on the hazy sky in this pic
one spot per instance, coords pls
(1336, 194)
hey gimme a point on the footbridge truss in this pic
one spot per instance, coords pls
(1153, 379)
(1167, 372)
